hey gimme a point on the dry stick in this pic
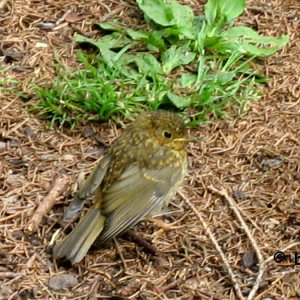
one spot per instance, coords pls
(48, 202)
(142, 242)
(263, 267)
(262, 263)
(119, 250)
(216, 244)
(260, 258)
(9, 275)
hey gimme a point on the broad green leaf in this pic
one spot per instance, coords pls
(232, 9)
(157, 11)
(223, 11)
(179, 101)
(147, 63)
(176, 56)
(211, 10)
(138, 34)
(155, 41)
(248, 34)
(187, 80)
(183, 15)
(111, 41)
(247, 41)
(180, 33)
(167, 13)
(111, 26)
(221, 77)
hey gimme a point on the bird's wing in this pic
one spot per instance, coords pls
(136, 194)
(89, 187)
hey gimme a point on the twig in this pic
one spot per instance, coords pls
(287, 247)
(263, 267)
(216, 244)
(260, 258)
(141, 242)
(48, 202)
(263, 263)
(119, 250)
(9, 275)
(112, 13)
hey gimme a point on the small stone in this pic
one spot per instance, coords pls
(18, 234)
(97, 150)
(88, 131)
(15, 143)
(47, 157)
(207, 269)
(29, 132)
(62, 281)
(272, 163)
(35, 241)
(15, 179)
(239, 195)
(18, 162)
(101, 140)
(249, 259)
(160, 262)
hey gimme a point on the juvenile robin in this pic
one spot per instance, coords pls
(135, 179)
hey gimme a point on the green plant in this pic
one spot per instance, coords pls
(199, 64)
(6, 82)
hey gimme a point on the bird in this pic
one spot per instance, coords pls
(136, 178)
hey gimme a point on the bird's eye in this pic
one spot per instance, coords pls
(167, 134)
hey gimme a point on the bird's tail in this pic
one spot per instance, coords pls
(76, 244)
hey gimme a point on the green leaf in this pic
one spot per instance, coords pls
(187, 80)
(232, 9)
(137, 34)
(177, 56)
(112, 41)
(251, 35)
(221, 77)
(218, 12)
(179, 101)
(157, 11)
(167, 13)
(211, 10)
(247, 41)
(183, 15)
(147, 63)
(113, 25)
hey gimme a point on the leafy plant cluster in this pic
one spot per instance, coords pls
(199, 64)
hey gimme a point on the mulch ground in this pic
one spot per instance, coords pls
(254, 158)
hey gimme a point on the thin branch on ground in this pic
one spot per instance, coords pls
(263, 263)
(245, 227)
(216, 244)
(48, 202)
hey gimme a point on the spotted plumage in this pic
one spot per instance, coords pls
(137, 177)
